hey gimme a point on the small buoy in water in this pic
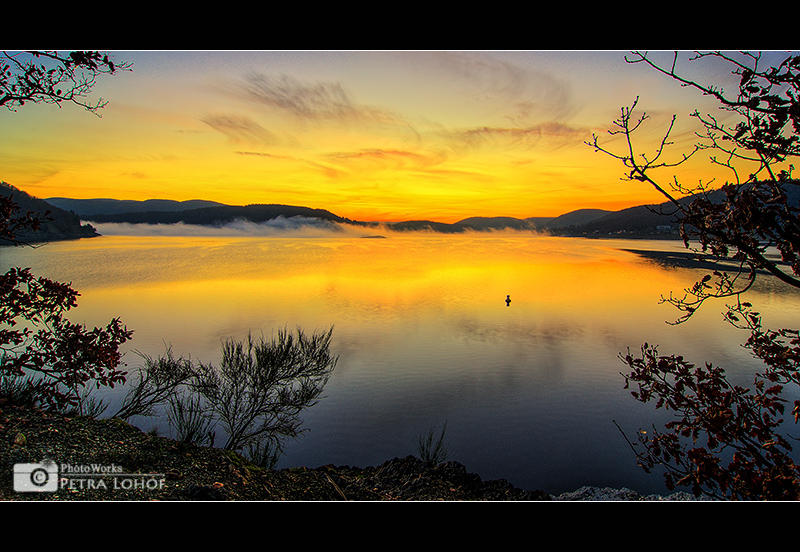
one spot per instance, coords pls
(508, 300)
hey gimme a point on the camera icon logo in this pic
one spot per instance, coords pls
(36, 478)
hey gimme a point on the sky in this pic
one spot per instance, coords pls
(367, 135)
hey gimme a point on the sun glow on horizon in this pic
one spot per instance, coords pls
(386, 136)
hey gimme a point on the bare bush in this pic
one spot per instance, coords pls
(159, 380)
(260, 387)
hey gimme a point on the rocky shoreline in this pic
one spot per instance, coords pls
(186, 472)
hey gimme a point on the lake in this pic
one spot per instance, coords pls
(530, 391)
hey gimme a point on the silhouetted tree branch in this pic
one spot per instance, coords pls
(43, 356)
(53, 77)
(739, 222)
(744, 218)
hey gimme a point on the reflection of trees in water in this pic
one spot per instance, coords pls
(540, 346)
(550, 333)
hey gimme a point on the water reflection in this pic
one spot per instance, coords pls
(529, 388)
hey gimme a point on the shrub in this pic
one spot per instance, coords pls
(431, 449)
(190, 419)
(260, 387)
(158, 381)
(53, 358)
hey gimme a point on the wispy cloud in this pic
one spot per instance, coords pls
(549, 135)
(316, 100)
(304, 121)
(295, 111)
(311, 101)
(240, 129)
(487, 78)
(262, 154)
(323, 168)
(377, 158)
(529, 95)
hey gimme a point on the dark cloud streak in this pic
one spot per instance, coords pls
(240, 129)
(532, 103)
(548, 135)
(318, 101)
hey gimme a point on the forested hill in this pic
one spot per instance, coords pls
(580, 222)
(652, 220)
(103, 206)
(221, 215)
(63, 226)
(639, 221)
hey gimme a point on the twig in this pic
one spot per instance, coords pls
(335, 486)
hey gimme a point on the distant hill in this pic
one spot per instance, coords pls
(572, 219)
(478, 224)
(63, 226)
(495, 223)
(575, 218)
(582, 221)
(220, 215)
(639, 221)
(208, 213)
(424, 225)
(540, 222)
(649, 220)
(103, 206)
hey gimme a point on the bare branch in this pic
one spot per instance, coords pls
(53, 78)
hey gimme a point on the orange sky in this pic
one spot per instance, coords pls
(367, 135)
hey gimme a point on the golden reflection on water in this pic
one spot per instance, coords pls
(423, 333)
(193, 291)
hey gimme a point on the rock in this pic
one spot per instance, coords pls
(410, 478)
(203, 492)
(610, 494)
(599, 493)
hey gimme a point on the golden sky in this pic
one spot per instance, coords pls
(390, 135)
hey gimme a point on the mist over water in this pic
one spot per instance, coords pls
(530, 391)
(293, 227)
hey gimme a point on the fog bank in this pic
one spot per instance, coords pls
(294, 227)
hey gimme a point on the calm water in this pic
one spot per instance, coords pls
(529, 391)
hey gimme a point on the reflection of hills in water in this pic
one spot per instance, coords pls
(423, 331)
(682, 259)
(690, 259)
